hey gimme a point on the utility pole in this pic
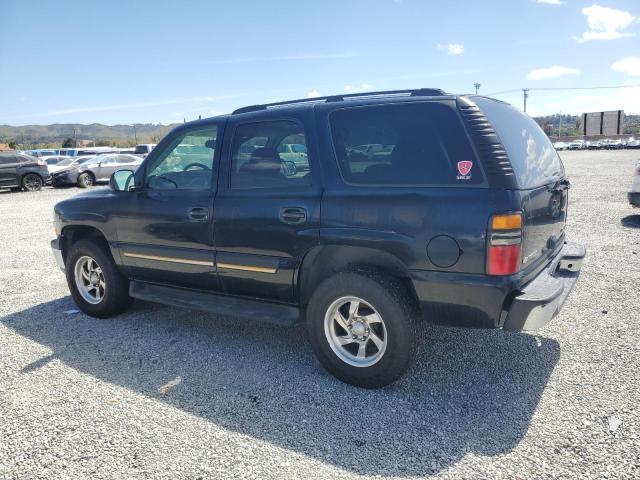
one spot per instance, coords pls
(135, 135)
(560, 126)
(525, 92)
(477, 85)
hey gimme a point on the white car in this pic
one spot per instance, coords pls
(68, 163)
(634, 193)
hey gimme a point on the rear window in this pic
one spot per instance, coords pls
(403, 144)
(534, 160)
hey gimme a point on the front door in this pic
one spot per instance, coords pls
(164, 227)
(266, 216)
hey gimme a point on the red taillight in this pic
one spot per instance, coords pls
(504, 244)
(503, 260)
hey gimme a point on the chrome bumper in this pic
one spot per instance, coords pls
(543, 297)
(57, 252)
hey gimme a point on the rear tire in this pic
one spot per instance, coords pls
(85, 180)
(376, 345)
(96, 284)
(32, 182)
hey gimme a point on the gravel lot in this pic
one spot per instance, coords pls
(81, 397)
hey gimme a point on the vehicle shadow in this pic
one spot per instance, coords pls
(471, 391)
(631, 221)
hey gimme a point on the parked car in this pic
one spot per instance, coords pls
(634, 193)
(22, 172)
(633, 143)
(559, 146)
(576, 145)
(359, 250)
(69, 163)
(54, 160)
(144, 149)
(87, 172)
(614, 144)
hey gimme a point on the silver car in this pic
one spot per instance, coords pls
(98, 169)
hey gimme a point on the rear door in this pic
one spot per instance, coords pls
(540, 176)
(266, 216)
(8, 170)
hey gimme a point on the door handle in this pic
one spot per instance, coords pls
(293, 215)
(198, 214)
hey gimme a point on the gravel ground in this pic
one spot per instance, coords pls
(166, 393)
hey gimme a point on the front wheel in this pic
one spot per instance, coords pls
(96, 284)
(85, 180)
(362, 328)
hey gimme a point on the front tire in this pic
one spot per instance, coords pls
(96, 284)
(362, 328)
(85, 180)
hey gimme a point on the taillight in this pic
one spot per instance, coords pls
(504, 244)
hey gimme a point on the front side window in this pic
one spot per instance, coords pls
(262, 157)
(186, 163)
(403, 144)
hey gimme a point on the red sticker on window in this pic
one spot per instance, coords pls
(464, 167)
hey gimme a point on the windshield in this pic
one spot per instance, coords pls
(64, 163)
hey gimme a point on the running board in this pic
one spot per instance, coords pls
(224, 305)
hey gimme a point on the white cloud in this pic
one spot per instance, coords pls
(550, 2)
(452, 48)
(606, 23)
(551, 72)
(365, 87)
(313, 94)
(629, 65)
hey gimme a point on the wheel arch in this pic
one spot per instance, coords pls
(74, 233)
(325, 261)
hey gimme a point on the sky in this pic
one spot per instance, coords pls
(123, 62)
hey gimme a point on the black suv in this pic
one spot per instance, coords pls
(411, 204)
(22, 172)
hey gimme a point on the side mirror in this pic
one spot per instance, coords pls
(122, 181)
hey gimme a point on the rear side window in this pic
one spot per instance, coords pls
(534, 160)
(403, 144)
(262, 156)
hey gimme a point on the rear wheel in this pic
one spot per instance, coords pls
(85, 180)
(32, 182)
(362, 328)
(96, 284)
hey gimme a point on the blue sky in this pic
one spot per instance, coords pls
(160, 61)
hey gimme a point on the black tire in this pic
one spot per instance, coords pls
(86, 179)
(32, 182)
(115, 299)
(398, 311)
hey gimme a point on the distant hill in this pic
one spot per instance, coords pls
(54, 135)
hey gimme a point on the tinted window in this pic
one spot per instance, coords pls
(7, 159)
(141, 149)
(260, 157)
(186, 163)
(403, 144)
(533, 158)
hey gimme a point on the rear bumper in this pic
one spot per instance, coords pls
(542, 298)
(634, 198)
(56, 248)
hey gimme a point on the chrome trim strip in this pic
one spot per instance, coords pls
(246, 268)
(169, 259)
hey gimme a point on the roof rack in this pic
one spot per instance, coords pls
(420, 92)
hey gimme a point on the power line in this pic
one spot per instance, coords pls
(562, 88)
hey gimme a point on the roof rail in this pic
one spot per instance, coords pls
(420, 92)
